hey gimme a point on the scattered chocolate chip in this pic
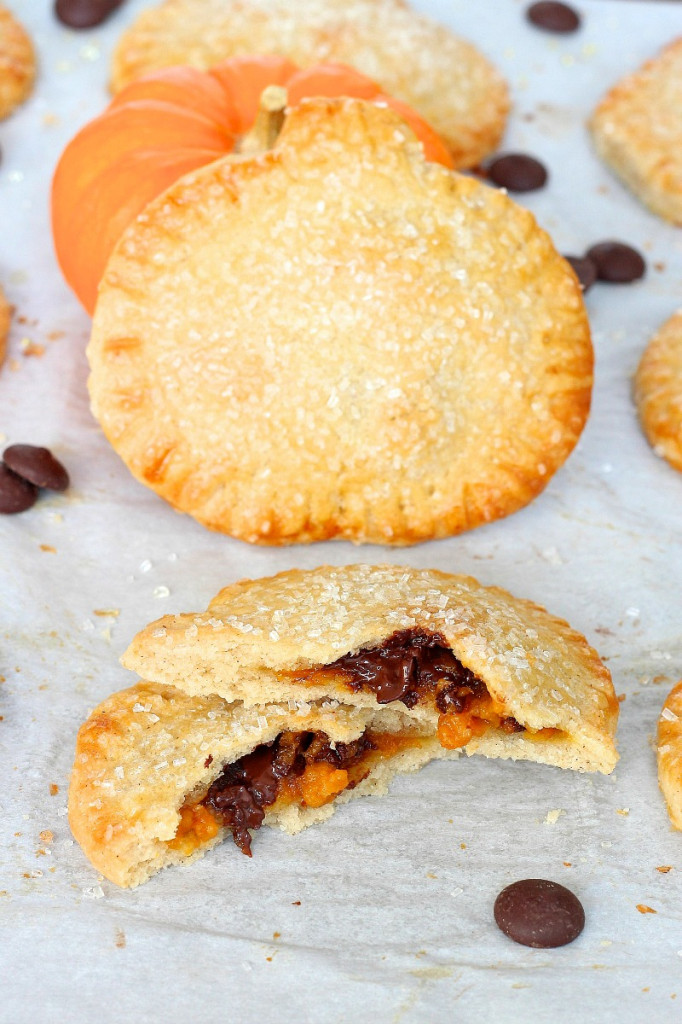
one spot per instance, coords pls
(517, 172)
(585, 270)
(16, 494)
(538, 913)
(553, 17)
(84, 13)
(37, 465)
(616, 262)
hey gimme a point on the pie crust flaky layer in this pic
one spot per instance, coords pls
(452, 85)
(339, 339)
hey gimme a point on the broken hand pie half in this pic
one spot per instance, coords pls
(160, 777)
(482, 670)
(335, 338)
(297, 692)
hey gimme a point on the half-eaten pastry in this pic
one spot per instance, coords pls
(476, 668)
(159, 777)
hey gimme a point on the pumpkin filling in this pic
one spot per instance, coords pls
(297, 767)
(416, 667)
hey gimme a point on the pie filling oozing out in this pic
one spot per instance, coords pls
(411, 666)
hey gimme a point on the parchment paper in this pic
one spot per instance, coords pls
(395, 916)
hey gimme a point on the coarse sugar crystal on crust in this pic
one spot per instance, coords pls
(147, 751)
(17, 63)
(658, 391)
(446, 79)
(669, 753)
(339, 339)
(259, 640)
(637, 130)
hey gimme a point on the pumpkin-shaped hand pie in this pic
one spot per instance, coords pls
(167, 124)
(444, 78)
(337, 338)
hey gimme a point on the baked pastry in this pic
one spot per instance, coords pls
(637, 130)
(480, 669)
(17, 63)
(159, 777)
(658, 391)
(669, 752)
(444, 78)
(339, 339)
(5, 323)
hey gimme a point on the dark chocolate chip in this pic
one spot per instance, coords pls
(553, 17)
(16, 494)
(37, 465)
(85, 13)
(585, 270)
(539, 913)
(616, 262)
(517, 172)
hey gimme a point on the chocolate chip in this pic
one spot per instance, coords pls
(616, 262)
(539, 913)
(585, 270)
(16, 494)
(553, 17)
(517, 172)
(84, 13)
(37, 465)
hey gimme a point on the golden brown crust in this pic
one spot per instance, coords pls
(658, 391)
(5, 323)
(145, 749)
(445, 78)
(256, 633)
(637, 130)
(17, 63)
(669, 751)
(338, 339)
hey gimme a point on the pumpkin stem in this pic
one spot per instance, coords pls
(268, 123)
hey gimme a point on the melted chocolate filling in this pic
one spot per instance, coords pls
(409, 666)
(238, 796)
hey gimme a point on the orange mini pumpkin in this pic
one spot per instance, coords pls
(167, 124)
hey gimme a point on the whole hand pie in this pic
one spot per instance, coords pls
(480, 669)
(658, 391)
(17, 63)
(338, 679)
(336, 338)
(637, 129)
(413, 58)
(669, 752)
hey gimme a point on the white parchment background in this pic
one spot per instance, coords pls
(395, 917)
